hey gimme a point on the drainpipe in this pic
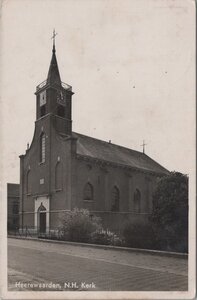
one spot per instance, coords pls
(49, 171)
(22, 189)
(72, 198)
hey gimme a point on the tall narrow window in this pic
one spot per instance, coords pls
(88, 192)
(28, 182)
(42, 147)
(137, 200)
(43, 110)
(115, 199)
(58, 176)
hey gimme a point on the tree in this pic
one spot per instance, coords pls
(170, 212)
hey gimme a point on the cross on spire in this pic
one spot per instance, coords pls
(143, 145)
(53, 37)
(53, 74)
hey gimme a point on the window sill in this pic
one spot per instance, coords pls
(58, 190)
(29, 194)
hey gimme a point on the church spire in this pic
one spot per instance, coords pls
(53, 74)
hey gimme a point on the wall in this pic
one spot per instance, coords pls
(12, 205)
(30, 162)
(61, 197)
(103, 179)
(58, 150)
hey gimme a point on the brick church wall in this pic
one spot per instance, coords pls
(104, 179)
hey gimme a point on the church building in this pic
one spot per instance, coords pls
(62, 169)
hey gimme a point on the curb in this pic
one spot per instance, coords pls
(108, 247)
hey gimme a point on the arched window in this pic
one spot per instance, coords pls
(137, 200)
(28, 182)
(58, 176)
(42, 147)
(115, 199)
(88, 192)
(43, 110)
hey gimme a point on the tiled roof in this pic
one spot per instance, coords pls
(94, 148)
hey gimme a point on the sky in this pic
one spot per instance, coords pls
(131, 65)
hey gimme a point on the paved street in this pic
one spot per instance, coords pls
(37, 265)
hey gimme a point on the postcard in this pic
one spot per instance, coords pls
(98, 149)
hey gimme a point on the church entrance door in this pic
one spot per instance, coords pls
(42, 222)
(42, 218)
(42, 214)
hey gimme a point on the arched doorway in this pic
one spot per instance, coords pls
(42, 218)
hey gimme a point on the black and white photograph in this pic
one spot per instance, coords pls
(97, 145)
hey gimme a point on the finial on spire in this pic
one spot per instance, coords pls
(53, 74)
(53, 37)
(143, 145)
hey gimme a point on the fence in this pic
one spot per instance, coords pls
(35, 232)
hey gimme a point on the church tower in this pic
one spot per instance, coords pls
(45, 166)
(54, 97)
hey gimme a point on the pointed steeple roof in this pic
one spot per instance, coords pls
(53, 74)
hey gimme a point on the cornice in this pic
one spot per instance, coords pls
(103, 163)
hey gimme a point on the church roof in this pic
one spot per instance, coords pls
(106, 151)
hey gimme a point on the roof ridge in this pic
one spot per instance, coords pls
(110, 143)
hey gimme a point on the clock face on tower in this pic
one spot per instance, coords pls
(42, 98)
(61, 98)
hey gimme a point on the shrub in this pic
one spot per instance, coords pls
(138, 235)
(106, 237)
(78, 225)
